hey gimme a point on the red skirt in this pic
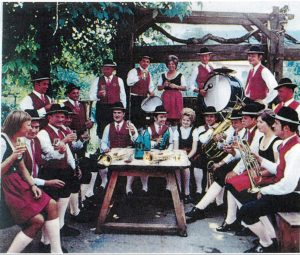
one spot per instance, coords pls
(19, 198)
(173, 103)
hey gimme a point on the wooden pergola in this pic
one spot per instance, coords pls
(268, 29)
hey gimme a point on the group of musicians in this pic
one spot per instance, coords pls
(56, 145)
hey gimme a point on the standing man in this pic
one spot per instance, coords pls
(140, 82)
(107, 90)
(200, 75)
(284, 195)
(260, 82)
(38, 99)
(59, 164)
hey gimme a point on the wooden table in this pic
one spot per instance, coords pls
(166, 168)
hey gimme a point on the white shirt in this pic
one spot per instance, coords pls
(105, 143)
(26, 103)
(133, 78)
(154, 143)
(291, 177)
(270, 81)
(206, 135)
(94, 89)
(48, 150)
(182, 79)
(192, 84)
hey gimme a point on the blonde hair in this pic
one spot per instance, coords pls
(188, 112)
(14, 122)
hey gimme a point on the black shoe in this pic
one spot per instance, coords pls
(197, 197)
(143, 193)
(187, 199)
(195, 214)
(46, 248)
(228, 227)
(243, 232)
(83, 217)
(260, 249)
(68, 231)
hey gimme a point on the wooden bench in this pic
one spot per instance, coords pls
(288, 231)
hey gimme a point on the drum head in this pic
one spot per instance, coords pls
(222, 92)
(150, 103)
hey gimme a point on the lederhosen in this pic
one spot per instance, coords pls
(172, 98)
(57, 169)
(141, 89)
(203, 76)
(103, 107)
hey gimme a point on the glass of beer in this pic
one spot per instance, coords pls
(21, 142)
(56, 141)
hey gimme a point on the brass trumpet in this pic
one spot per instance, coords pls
(104, 160)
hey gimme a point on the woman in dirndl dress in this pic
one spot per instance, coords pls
(172, 82)
(27, 204)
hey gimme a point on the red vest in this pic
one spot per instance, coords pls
(294, 105)
(119, 139)
(37, 102)
(55, 163)
(38, 156)
(141, 88)
(112, 90)
(256, 87)
(154, 134)
(78, 120)
(203, 76)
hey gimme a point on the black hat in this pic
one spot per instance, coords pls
(255, 49)
(33, 114)
(109, 63)
(210, 110)
(40, 76)
(287, 114)
(70, 87)
(286, 82)
(204, 51)
(235, 114)
(56, 108)
(118, 106)
(160, 110)
(68, 110)
(251, 109)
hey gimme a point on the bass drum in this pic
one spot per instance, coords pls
(222, 91)
(150, 103)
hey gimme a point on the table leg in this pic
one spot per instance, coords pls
(178, 205)
(106, 202)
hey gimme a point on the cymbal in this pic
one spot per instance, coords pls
(224, 70)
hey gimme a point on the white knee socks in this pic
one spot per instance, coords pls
(144, 180)
(90, 190)
(259, 229)
(129, 182)
(268, 226)
(231, 208)
(19, 243)
(52, 231)
(74, 204)
(62, 204)
(198, 173)
(103, 175)
(220, 197)
(210, 196)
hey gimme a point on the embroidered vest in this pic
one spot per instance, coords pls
(37, 102)
(141, 88)
(119, 139)
(55, 163)
(154, 134)
(203, 76)
(256, 86)
(112, 90)
(38, 156)
(78, 120)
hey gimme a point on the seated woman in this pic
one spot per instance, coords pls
(25, 201)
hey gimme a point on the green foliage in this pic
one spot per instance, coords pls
(292, 71)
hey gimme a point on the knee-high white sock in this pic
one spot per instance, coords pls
(186, 181)
(220, 197)
(231, 208)
(52, 230)
(198, 173)
(44, 237)
(129, 182)
(74, 204)
(259, 229)
(178, 177)
(144, 180)
(62, 205)
(90, 190)
(268, 226)
(83, 190)
(103, 175)
(19, 243)
(210, 196)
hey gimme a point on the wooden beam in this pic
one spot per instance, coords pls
(292, 54)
